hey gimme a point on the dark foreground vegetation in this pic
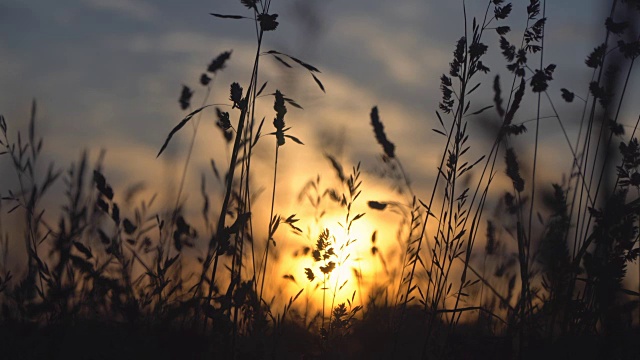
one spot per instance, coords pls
(544, 275)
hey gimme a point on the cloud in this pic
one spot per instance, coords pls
(136, 9)
(9, 63)
(407, 57)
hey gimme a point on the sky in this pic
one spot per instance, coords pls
(108, 74)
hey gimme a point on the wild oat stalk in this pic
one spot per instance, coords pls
(278, 123)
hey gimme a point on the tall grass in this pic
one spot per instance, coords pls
(549, 280)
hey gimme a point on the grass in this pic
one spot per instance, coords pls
(544, 275)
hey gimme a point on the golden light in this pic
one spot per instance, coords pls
(354, 265)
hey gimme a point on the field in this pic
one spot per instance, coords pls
(504, 226)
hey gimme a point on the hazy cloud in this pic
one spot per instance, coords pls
(137, 9)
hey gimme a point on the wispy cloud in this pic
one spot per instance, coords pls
(136, 9)
(407, 57)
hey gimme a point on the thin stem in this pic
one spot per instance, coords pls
(271, 221)
(212, 252)
(189, 153)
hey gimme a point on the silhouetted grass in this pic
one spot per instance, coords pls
(111, 279)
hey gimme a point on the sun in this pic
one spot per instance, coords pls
(357, 270)
(350, 255)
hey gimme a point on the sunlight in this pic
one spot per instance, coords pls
(353, 261)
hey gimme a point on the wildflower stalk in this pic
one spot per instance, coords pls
(215, 243)
(279, 124)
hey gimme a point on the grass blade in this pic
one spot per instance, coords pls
(178, 127)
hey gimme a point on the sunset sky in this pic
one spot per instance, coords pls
(107, 74)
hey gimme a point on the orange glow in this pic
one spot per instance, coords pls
(354, 265)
